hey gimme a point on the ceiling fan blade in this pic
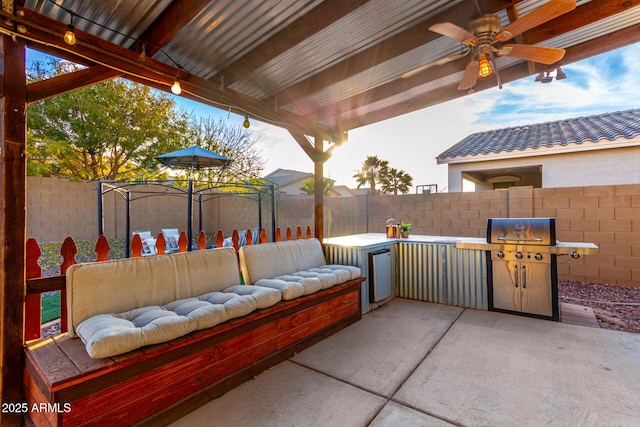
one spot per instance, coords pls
(452, 57)
(440, 61)
(470, 76)
(541, 54)
(544, 13)
(455, 32)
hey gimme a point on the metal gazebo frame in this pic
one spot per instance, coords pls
(127, 189)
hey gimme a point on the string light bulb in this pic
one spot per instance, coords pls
(246, 123)
(176, 89)
(70, 34)
(484, 69)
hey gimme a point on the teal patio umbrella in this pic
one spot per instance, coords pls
(192, 158)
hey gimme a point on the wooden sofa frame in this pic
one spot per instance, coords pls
(158, 384)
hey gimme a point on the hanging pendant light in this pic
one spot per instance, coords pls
(70, 35)
(176, 89)
(246, 123)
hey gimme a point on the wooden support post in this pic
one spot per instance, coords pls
(12, 223)
(318, 185)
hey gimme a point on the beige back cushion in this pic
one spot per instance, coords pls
(270, 260)
(125, 284)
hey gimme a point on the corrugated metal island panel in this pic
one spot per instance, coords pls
(431, 272)
(443, 274)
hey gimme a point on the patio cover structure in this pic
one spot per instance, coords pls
(317, 68)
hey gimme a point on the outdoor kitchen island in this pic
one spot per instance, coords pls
(424, 268)
(440, 269)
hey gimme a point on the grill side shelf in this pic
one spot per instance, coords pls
(561, 248)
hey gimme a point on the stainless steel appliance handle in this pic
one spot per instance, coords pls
(520, 239)
(524, 277)
(515, 273)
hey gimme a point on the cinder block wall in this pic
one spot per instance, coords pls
(57, 208)
(608, 216)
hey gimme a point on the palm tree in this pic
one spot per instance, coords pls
(372, 170)
(394, 181)
(309, 186)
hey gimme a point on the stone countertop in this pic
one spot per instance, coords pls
(473, 243)
(374, 239)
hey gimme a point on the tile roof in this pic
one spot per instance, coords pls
(609, 126)
(282, 177)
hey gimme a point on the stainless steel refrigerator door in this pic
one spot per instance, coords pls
(380, 275)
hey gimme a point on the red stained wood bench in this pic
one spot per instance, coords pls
(157, 384)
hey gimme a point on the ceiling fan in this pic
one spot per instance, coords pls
(484, 40)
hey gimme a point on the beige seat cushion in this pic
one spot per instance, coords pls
(295, 268)
(263, 297)
(107, 335)
(126, 284)
(270, 260)
(291, 287)
(306, 282)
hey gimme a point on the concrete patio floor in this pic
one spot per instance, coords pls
(411, 363)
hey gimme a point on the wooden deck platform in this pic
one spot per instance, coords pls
(141, 384)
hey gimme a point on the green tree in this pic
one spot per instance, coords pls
(372, 170)
(395, 181)
(309, 186)
(111, 130)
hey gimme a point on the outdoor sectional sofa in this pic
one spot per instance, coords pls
(148, 333)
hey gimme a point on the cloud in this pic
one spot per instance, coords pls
(600, 84)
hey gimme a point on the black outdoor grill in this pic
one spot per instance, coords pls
(522, 266)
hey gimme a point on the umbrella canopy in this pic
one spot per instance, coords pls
(193, 158)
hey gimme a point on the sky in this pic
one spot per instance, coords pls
(411, 142)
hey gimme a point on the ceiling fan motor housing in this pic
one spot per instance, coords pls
(485, 28)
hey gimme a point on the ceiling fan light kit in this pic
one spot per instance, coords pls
(484, 41)
(484, 69)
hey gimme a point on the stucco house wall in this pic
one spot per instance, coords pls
(612, 166)
(594, 150)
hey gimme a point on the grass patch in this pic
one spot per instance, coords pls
(50, 307)
(51, 259)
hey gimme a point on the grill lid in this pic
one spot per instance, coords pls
(522, 231)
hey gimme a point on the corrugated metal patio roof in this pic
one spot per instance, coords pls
(316, 67)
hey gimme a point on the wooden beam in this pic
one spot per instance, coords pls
(308, 24)
(405, 41)
(586, 14)
(13, 172)
(157, 35)
(43, 89)
(318, 192)
(161, 75)
(593, 11)
(178, 14)
(519, 70)
(315, 154)
(169, 23)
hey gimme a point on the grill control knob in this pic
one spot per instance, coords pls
(518, 255)
(575, 255)
(500, 254)
(538, 257)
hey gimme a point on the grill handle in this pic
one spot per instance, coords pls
(515, 274)
(524, 277)
(520, 239)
